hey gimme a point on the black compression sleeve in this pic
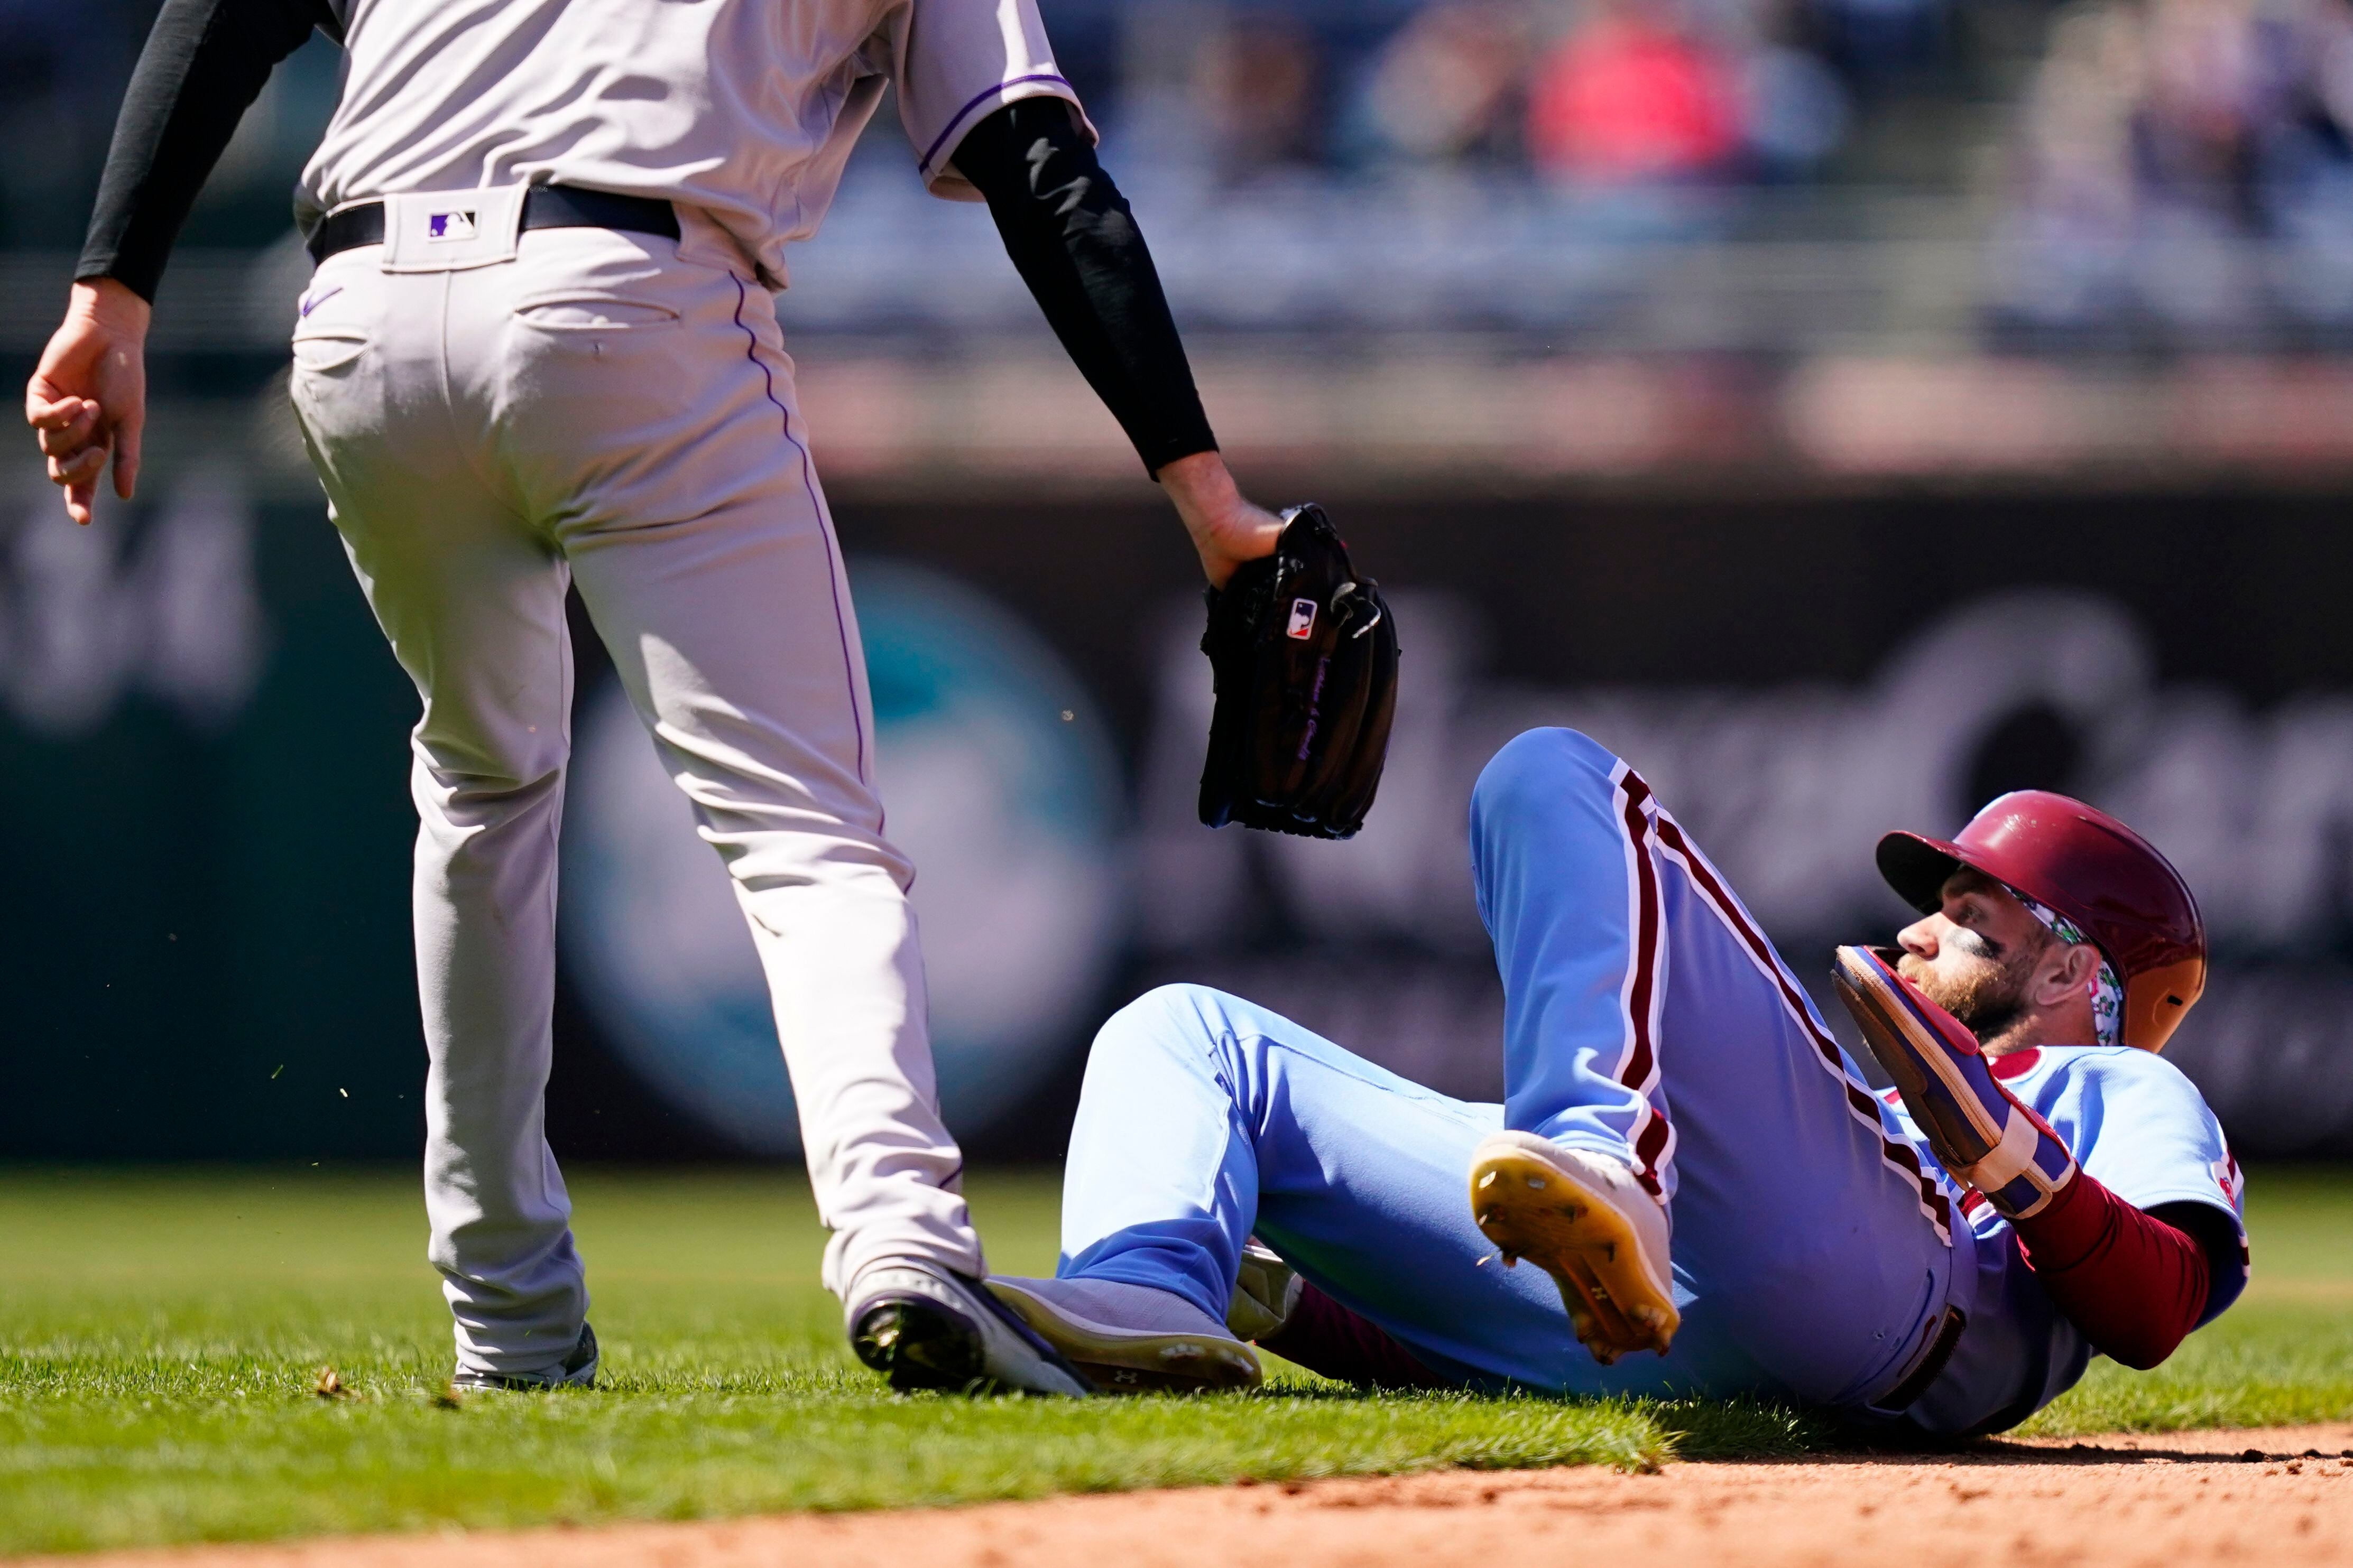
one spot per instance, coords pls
(1074, 241)
(205, 62)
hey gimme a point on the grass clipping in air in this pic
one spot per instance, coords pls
(245, 1356)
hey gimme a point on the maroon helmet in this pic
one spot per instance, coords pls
(2089, 866)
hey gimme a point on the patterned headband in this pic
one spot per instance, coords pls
(2108, 996)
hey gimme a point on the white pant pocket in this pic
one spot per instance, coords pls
(329, 349)
(594, 313)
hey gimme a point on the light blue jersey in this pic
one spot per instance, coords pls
(2139, 1127)
(1818, 1255)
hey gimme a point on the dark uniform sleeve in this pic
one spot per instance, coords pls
(1075, 244)
(2134, 1283)
(1325, 1337)
(205, 63)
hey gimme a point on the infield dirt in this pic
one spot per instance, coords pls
(2282, 1497)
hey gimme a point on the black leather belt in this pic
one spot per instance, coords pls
(544, 206)
(1937, 1345)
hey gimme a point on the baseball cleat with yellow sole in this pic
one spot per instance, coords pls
(1585, 1221)
(1130, 1361)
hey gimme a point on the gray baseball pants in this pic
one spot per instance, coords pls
(595, 410)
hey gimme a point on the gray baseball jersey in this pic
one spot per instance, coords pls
(500, 416)
(745, 110)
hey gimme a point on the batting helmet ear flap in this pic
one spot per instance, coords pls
(2156, 1000)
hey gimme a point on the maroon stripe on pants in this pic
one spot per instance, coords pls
(1641, 1062)
(1932, 1197)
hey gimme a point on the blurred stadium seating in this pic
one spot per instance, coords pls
(1758, 305)
(1515, 236)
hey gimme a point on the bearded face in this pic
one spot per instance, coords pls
(1987, 993)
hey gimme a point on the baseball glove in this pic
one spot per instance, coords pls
(1304, 654)
(1979, 1131)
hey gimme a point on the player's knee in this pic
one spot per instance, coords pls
(1537, 770)
(481, 789)
(1185, 1022)
(1182, 1009)
(768, 854)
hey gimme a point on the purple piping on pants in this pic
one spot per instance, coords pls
(809, 479)
(923, 163)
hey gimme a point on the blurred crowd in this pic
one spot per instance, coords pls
(1600, 92)
(1587, 92)
(2187, 166)
(2175, 171)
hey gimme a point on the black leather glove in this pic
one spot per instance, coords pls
(1305, 653)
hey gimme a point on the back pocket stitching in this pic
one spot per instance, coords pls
(662, 315)
(355, 342)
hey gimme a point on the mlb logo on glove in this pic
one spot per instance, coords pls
(1303, 659)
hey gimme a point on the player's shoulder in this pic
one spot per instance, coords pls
(2106, 1072)
(2158, 1113)
(2120, 1063)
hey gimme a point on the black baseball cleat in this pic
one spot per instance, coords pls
(927, 1328)
(577, 1370)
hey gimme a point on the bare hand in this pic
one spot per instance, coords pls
(89, 398)
(1227, 529)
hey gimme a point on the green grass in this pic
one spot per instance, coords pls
(160, 1337)
(2282, 1356)
(161, 1334)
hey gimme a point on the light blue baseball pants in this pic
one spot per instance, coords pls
(1645, 1017)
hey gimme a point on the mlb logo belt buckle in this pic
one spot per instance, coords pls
(449, 231)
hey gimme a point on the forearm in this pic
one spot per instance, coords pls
(2134, 1284)
(1071, 236)
(205, 63)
